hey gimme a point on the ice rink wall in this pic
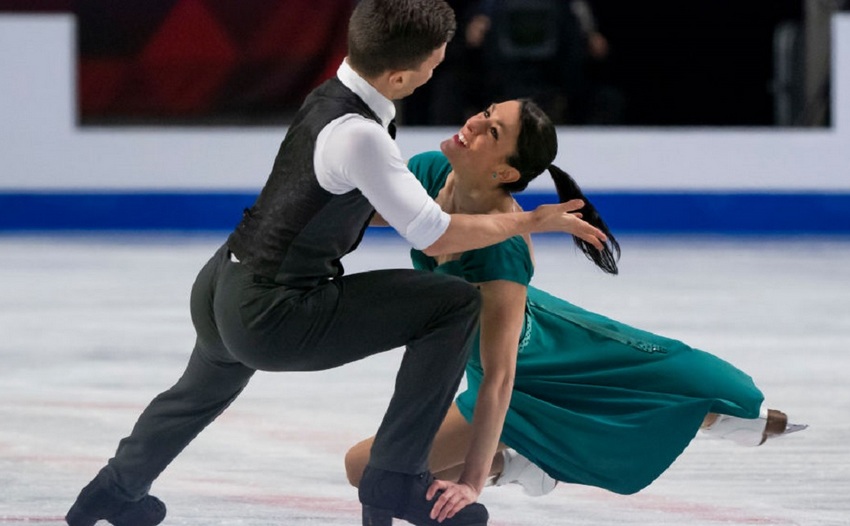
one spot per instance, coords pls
(57, 175)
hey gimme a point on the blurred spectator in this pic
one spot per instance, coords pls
(548, 50)
(455, 91)
(533, 48)
(598, 100)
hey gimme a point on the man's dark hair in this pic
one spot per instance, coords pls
(388, 35)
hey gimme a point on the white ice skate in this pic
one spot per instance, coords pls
(519, 470)
(752, 431)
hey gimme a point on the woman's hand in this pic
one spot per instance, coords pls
(564, 218)
(454, 497)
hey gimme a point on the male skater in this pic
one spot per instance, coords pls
(274, 297)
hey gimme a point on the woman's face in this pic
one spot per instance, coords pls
(484, 143)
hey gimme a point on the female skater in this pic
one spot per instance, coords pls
(576, 396)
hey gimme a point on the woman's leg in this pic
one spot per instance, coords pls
(447, 453)
(709, 419)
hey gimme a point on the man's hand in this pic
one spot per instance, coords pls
(452, 499)
(564, 218)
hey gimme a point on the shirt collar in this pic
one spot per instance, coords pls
(382, 106)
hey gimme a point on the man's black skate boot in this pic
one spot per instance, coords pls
(95, 503)
(387, 494)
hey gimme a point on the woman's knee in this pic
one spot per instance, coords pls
(355, 462)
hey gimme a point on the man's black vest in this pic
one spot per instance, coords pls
(296, 232)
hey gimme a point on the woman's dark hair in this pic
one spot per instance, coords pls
(537, 146)
(388, 35)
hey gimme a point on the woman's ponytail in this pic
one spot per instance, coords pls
(567, 188)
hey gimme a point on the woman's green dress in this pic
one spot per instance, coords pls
(595, 401)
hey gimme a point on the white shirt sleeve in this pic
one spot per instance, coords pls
(355, 152)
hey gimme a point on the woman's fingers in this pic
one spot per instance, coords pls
(452, 498)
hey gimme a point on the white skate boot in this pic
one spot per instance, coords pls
(752, 431)
(519, 470)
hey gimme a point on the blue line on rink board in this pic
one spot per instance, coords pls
(640, 212)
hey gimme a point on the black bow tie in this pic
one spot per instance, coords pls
(391, 128)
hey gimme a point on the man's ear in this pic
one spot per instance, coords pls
(396, 79)
(388, 82)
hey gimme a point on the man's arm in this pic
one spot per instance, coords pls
(364, 157)
(468, 232)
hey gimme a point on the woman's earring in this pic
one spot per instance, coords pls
(495, 175)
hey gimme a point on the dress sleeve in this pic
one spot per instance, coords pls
(509, 260)
(431, 169)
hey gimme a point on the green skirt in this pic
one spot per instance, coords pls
(600, 403)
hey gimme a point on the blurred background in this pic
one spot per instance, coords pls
(588, 62)
(699, 116)
(712, 135)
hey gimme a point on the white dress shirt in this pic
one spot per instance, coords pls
(355, 152)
